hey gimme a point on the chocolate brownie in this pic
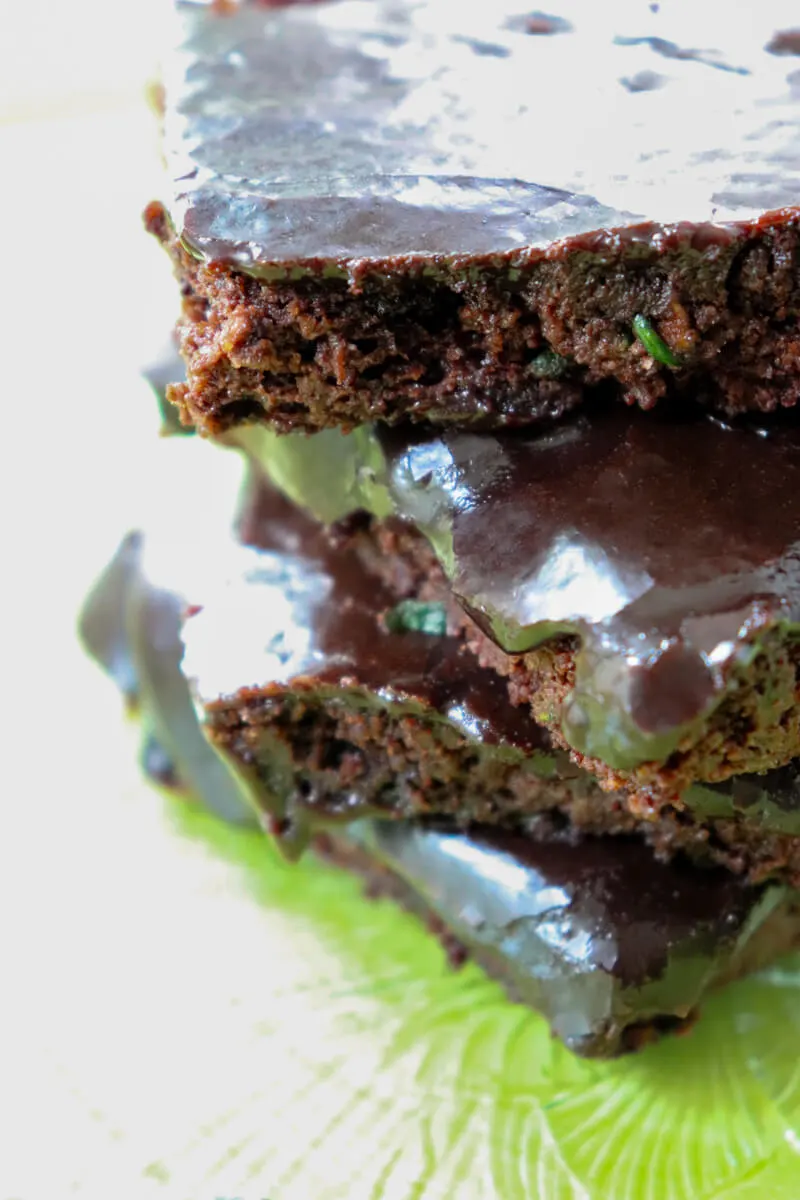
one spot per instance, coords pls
(329, 701)
(386, 209)
(635, 576)
(612, 948)
(610, 945)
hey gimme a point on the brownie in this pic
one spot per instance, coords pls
(388, 210)
(327, 701)
(612, 948)
(636, 577)
(610, 945)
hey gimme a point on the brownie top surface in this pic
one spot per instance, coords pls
(367, 129)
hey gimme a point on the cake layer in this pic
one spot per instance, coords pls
(330, 701)
(636, 576)
(376, 210)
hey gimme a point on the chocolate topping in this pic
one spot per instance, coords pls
(329, 134)
(592, 933)
(299, 607)
(668, 546)
(667, 543)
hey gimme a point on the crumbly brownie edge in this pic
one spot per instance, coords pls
(310, 761)
(496, 344)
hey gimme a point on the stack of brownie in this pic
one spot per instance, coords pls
(502, 310)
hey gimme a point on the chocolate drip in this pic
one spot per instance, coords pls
(669, 545)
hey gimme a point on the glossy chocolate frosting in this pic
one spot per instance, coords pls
(668, 543)
(295, 616)
(324, 136)
(592, 933)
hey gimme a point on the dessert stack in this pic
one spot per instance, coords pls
(505, 325)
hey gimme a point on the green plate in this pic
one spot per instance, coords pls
(403, 1078)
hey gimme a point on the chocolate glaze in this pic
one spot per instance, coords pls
(592, 933)
(328, 607)
(295, 617)
(329, 136)
(301, 606)
(668, 543)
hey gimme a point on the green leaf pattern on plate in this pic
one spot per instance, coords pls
(411, 1080)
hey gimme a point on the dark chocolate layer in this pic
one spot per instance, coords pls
(665, 545)
(610, 945)
(327, 711)
(325, 135)
(600, 939)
